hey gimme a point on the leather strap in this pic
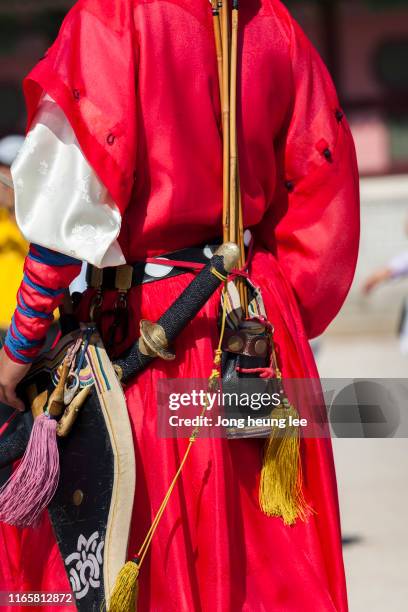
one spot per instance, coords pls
(122, 278)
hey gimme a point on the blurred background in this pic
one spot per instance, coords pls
(365, 45)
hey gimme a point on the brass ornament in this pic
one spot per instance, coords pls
(230, 253)
(260, 346)
(153, 341)
(235, 344)
(78, 497)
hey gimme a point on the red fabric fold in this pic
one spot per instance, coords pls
(90, 72)
(312, 225)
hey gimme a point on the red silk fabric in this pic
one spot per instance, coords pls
(214, 549)
(138, 82)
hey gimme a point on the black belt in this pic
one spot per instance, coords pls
(122, 278)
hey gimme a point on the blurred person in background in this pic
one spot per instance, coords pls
(13, 247)
(396, 269)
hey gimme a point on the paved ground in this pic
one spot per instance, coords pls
(373, 484)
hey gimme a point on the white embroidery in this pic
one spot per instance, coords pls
(43, 169)
(62, 200)
(87, 563)
(50, 191)
(87, 233)
(30, 144)
(82, 186)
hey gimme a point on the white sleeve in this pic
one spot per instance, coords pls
(399, 265)
(60, 202)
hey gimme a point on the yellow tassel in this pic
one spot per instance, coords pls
(126, 589)
(280, 489)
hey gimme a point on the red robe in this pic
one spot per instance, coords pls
(138, 81)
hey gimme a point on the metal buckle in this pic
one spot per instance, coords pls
(123, 278)
(96, 277)
(95, 305)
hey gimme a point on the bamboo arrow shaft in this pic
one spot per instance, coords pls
(233, 200)
(225, 117)
(217, 37)
(226, 44)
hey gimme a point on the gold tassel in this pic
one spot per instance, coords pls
(126, 589)
(280, 489)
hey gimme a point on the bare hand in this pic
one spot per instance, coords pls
(377, 278)
(10, 375)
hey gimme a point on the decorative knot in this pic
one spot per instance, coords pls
(267, 372)
(217, 358)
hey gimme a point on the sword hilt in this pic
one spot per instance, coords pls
(156, 338)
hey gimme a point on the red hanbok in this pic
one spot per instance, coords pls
(137, 80)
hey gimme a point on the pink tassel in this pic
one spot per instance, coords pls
(33, 484)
